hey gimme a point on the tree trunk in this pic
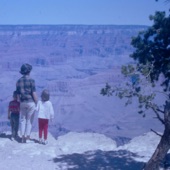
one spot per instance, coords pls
(164, 144)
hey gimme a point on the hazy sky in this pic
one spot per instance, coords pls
(119, 12)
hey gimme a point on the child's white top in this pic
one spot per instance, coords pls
(45, 110)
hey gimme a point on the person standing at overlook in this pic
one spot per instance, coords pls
(26, 94)
(13, 116)
(45, 113)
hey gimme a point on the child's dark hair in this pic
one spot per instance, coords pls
(45, 95)
(15, 94)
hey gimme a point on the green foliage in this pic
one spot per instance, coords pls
(127, 70)
(164, 0)
(152, 60)
(107, 90)
(152, 49)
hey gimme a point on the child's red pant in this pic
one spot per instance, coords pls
(43, 127)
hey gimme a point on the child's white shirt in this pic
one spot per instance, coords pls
(45, 110)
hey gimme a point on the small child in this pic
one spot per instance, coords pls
(13, 116)
(45, 112)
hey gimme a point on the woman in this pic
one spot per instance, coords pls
(26, 93)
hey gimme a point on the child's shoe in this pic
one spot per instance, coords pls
(17, 138)
(40, 141)
(45, 142)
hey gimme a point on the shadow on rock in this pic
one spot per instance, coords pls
(99, 160)
(3, 135)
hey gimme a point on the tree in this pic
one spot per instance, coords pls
(165, 0)
(150, 70)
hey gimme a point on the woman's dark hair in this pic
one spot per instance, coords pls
(25, 69)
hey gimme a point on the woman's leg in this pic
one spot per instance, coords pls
(23, 111)
(29, 118)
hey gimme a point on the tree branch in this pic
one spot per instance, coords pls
(156, 133)
(159, 110)
(157, 114)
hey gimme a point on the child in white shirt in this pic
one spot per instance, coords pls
(45, 113)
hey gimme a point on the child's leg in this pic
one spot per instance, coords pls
(16, 125)
(12, 126)
(45, 128)
(40, 125)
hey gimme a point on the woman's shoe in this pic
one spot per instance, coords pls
(23, 140)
